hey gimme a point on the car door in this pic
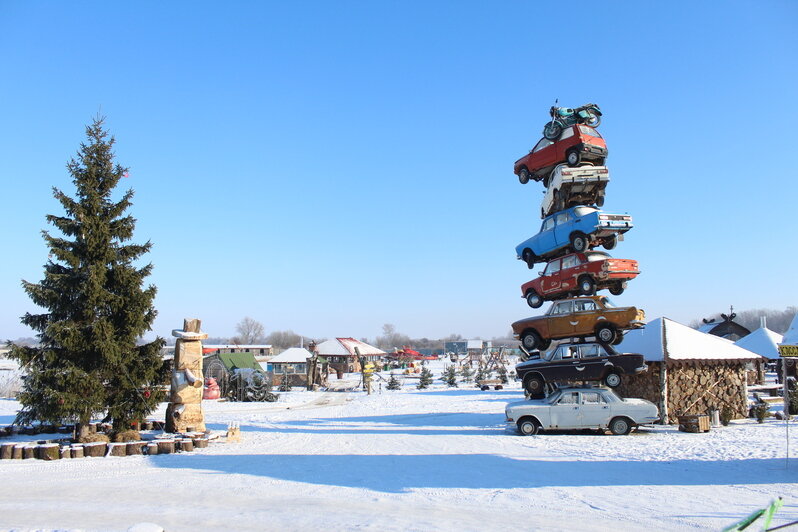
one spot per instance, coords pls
(550, 282)
(558, 320)
(562, 229)
(593, 411)
(565, 412)
(544, 241)
(569, 272)
(558, 365)
(583, 319)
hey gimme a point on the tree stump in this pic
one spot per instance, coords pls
(186, 445)
(152, 448)
(48, 451)
(29, 451)
(95, 448)
(117, 449)
(166, 446)
(6, 451)
(77, 451)
(135, 447)
(200, 443)
(65, 452)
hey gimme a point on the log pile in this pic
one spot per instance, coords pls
(692, 387)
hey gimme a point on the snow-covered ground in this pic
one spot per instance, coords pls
(438, 459)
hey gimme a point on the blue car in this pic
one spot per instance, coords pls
(579, 228)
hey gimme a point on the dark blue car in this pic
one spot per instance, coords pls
(579, 228)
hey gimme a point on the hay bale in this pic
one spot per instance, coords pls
(126, 436)
(94, 437)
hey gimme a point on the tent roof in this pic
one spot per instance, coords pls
(791, 336)
(762, 342)
(292, 356)
(665, 339)
(346, 346)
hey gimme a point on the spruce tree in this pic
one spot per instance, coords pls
(426, 378)
(88, 360)
(393, 383)
(450, 376)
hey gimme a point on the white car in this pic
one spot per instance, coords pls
(568, 186)
(581, 408)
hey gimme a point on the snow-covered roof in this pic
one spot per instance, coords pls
(237, 346)
(663, 338)
(791, 336)
(762, 341)
(292, 356)
(706, 327)
(346, 346)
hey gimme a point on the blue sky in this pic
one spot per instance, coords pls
(329, 167)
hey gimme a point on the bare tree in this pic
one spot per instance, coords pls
(249, 332)
(283, 339)
(390, 338)
(777, 320)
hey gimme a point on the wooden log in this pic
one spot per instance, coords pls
(76, 450)
(117, 449)
(48, 451)
(65, 452)
(95, 448)
(6, 450)
(18, 451)
(200, 443)
(186, 445)
(152, 448)
(135, 447)
(166, 446)
(29, 451)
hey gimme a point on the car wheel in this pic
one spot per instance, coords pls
(586, 286)
(600, 201)
(528, 426)
(523, 176)
(535, 385)
(573, 158)
(612, 379)
(610, 243)
(531, 340)
(533, 299)
(618, 339)
(620, 426)
(617, 288)
(529, 257)
(606, 333)
(579, 242)
(485, 388)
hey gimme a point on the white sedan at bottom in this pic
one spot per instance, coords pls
(581, 408)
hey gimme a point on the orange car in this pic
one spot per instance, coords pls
(576, 144)
(578, 317)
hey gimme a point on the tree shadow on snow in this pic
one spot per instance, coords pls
(401, 473)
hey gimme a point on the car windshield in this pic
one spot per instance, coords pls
(542, 144)
(608, 302)
(587, 130)
(582, 210)
(594, 256)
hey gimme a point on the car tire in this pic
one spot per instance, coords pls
(579, 242)
(606, 333)
(535, 386)
(533, 299)
(573, 158)
(600, 200)
(587, 287)
(620, 426)
(529, 257)
(523, 176)
(593, 121)
(612, 379)
(531, 340)
(618, 339)
(617, 289)
(610, 242)
(528, 426)
(485, 388)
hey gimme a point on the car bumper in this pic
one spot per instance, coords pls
(641, 369)
(637, 324)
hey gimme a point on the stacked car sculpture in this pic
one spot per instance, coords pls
(581, 326)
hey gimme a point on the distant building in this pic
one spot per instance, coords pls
(258, 350)
(342, 357)
(725, 327)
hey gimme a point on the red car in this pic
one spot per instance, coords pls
(579, 274)
(577, 143)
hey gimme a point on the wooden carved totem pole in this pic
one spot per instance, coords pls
(185, 401)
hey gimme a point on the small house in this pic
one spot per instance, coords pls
(689, 372)
(291, 366)
(342, 354)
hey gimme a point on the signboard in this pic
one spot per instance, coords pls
(788, 350)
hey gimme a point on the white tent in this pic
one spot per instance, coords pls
(762, 341)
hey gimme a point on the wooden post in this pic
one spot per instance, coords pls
(663, 391)
(786, 388)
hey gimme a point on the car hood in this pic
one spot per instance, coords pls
(636, 401)
(527, 403)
